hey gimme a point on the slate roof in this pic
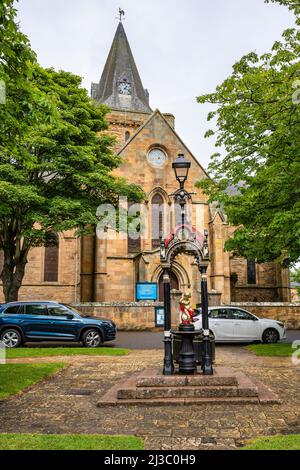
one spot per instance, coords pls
(121, 65)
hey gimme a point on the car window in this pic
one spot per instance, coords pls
(36, 309)
(73, 310)
(58, 311)
(241, 315)
(220, 313)
(13, 310)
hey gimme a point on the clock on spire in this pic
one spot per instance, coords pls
(120, 86)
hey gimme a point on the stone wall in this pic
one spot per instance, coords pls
(255, 294)
(127, 315)
(288, 313)
(141, 315)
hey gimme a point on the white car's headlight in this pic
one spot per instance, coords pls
(280, 324)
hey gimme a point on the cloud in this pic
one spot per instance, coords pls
(182, 49)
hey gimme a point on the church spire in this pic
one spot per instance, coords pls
(120, 86)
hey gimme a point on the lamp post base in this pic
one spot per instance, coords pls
(168, 359)
(207, 367)
(187, 358)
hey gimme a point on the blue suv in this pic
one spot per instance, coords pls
(21, 322)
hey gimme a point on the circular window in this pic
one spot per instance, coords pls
(157, 157)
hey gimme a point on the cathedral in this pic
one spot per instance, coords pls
(107, 269)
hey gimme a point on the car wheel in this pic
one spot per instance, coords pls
(11, 338)
(270, 336)
(91, 338)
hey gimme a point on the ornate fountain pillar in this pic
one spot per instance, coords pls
(168, 359)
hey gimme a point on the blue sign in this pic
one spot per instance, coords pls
(146, 291)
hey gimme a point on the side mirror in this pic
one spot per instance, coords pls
(70, 316)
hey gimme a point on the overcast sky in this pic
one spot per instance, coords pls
(182, 48)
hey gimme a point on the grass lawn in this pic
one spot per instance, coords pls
(290, 442)
(17, 377)
(69, 442)
(279, 349)
(14, 353)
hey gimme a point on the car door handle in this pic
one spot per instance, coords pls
(237, 324)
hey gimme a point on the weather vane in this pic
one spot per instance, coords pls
(121, 14)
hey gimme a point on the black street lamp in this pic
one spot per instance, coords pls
(168, 250)
(181, 167)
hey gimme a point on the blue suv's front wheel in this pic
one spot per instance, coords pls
(91, 338)
(11, 338)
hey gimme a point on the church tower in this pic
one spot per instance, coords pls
(148, 144)
(121, 89)
(120, 86)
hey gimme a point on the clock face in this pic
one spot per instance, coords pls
(157, 158)
(124, 88)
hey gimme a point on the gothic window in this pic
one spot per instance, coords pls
(157, 219)
(134, 239)
(251, 271)
(127, 136)
(51, 260)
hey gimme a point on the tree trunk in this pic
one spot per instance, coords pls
(15, 259)
(12, 277)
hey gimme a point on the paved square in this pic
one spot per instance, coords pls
(67, 403)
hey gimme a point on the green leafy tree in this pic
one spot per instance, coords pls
(55, 162)
(258, 127)
(293, 5)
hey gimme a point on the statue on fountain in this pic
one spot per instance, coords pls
(186, 312)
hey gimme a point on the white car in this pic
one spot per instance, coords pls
(230, 324)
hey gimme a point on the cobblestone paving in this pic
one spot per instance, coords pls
(66, 403)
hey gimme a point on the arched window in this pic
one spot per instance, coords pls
(157, 219)
(134, 239)
(127, 136)
(51, 259)
(251, 271)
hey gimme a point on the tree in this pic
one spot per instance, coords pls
(55, 167)
(293, 5)
(258, 126)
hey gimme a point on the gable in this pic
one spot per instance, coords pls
(157, 132)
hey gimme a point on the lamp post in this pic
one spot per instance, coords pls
(168, 359)
(169, 249)
(181, 168)
(207, 359)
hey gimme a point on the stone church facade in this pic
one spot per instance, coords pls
(106, 269)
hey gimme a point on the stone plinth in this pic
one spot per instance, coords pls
(151, 388)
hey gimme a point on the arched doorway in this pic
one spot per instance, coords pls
(174, 284)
